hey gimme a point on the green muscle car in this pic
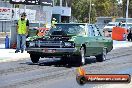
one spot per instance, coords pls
(72, 42)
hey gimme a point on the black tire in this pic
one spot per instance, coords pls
(34, 58)
(64, 60)
(102, 57)
(78, 60)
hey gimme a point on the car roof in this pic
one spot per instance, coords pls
(127, 23)
(113, 22)
(78, 23)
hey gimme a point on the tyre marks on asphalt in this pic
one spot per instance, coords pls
(45, 72)
(33, 77)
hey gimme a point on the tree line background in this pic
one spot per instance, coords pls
(105, 8)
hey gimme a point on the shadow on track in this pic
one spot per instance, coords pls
(58, 63)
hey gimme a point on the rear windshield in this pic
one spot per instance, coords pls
(129, 25)
(111, 25)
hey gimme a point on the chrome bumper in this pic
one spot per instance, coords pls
(52, 50)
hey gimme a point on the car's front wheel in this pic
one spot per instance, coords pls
(34, 58)
(102, 57)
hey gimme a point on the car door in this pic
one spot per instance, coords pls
(104, 42)
(99, 40)
(93, 47)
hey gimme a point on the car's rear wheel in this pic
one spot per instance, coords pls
(34, 58)
(75, 59)
(102, 57)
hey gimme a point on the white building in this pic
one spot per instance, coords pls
(61, 10)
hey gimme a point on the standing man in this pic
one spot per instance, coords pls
(129, 36)
(22, 32)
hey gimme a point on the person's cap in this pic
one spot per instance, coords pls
(23, 14)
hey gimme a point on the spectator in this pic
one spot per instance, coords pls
(129, 37)
(22, 32)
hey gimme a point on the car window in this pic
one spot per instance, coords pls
(129, 25)
(70, 29)
(123, 25)
(94, 31)
(91, 30)
(111, 25)
(97, 32)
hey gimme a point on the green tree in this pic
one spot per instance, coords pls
(124, 5)
(80, 9)
(106, 7)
